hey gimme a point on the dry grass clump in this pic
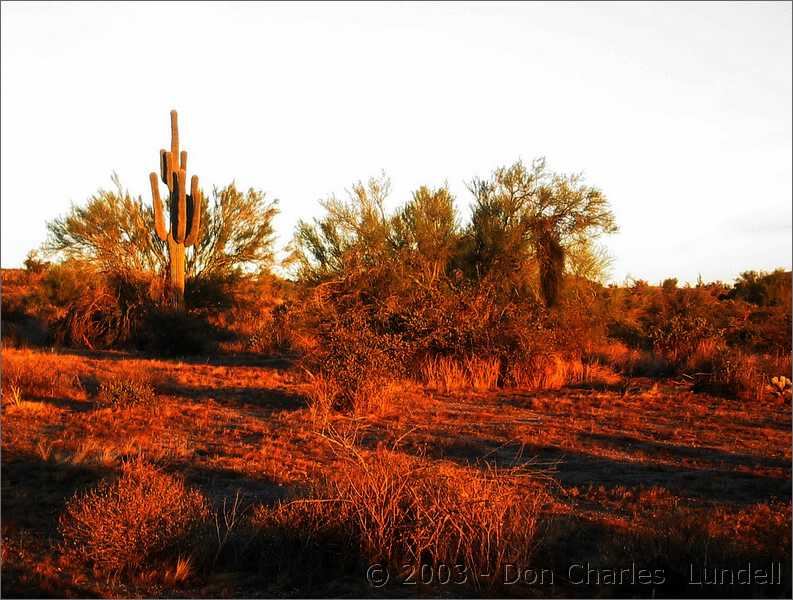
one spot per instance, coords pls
(629, 361)
(741, 375)
(705, 355)
(272, 332)
(443, 374)
(12, 394)
(323, 393)
(129, 522)
(400, 510)
(483, 373)
(125, 390)
(327, 394)
(88, 452)
(447, 374)
(534, 372)
(38, 375)
(545, 371)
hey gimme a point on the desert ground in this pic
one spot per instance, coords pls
(634, 470)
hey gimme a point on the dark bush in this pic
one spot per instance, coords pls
(213, 293)
(173, 332)
(763, 289)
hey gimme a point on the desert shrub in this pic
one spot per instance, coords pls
(356, 361)
(760, 330)
(274, 332)
(733, 374)
(84, 308)
(23, 331)
(63, 284)
(126, 391)
(249, 309)
(21, 325)
(690, 326)
(628, 333)
(33, 264)
(679, 337)
(115, 298)
(705, 355)
(399, 510)
(763, 289)
(134, 520)
(451, 337)
(126, 310)
(108, 313)
(115, 232)
(738, 374)
(424, 294)
(213, 293)
(529, 219)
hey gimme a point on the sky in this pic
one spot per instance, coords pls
(679, 112)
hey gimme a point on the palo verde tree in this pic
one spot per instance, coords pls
(185, 211)
(529, 217)
(114, 233)
(425, 235)
(351, 239)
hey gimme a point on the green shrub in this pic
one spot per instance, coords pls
(273, 333)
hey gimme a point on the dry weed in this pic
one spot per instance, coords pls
(404, 510)
(546, 371)
(126, 523)
(125, 390)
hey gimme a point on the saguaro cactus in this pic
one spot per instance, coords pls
(185, 210)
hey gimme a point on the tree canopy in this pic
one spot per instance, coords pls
(115, 233)
(528, 228)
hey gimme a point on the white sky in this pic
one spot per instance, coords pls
(680, 113)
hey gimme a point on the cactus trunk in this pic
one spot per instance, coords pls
(184, 210)
(176, 269)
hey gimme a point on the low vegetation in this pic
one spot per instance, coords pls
(124, 524)
(420, 395)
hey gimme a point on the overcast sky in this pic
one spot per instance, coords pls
(679, 112)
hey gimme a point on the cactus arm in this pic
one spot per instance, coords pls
(194, 212)
(183, 161)
(173, 204)
(173, 167)
(164, 166)
(174, 138)
(159, 220)
(181, 206)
